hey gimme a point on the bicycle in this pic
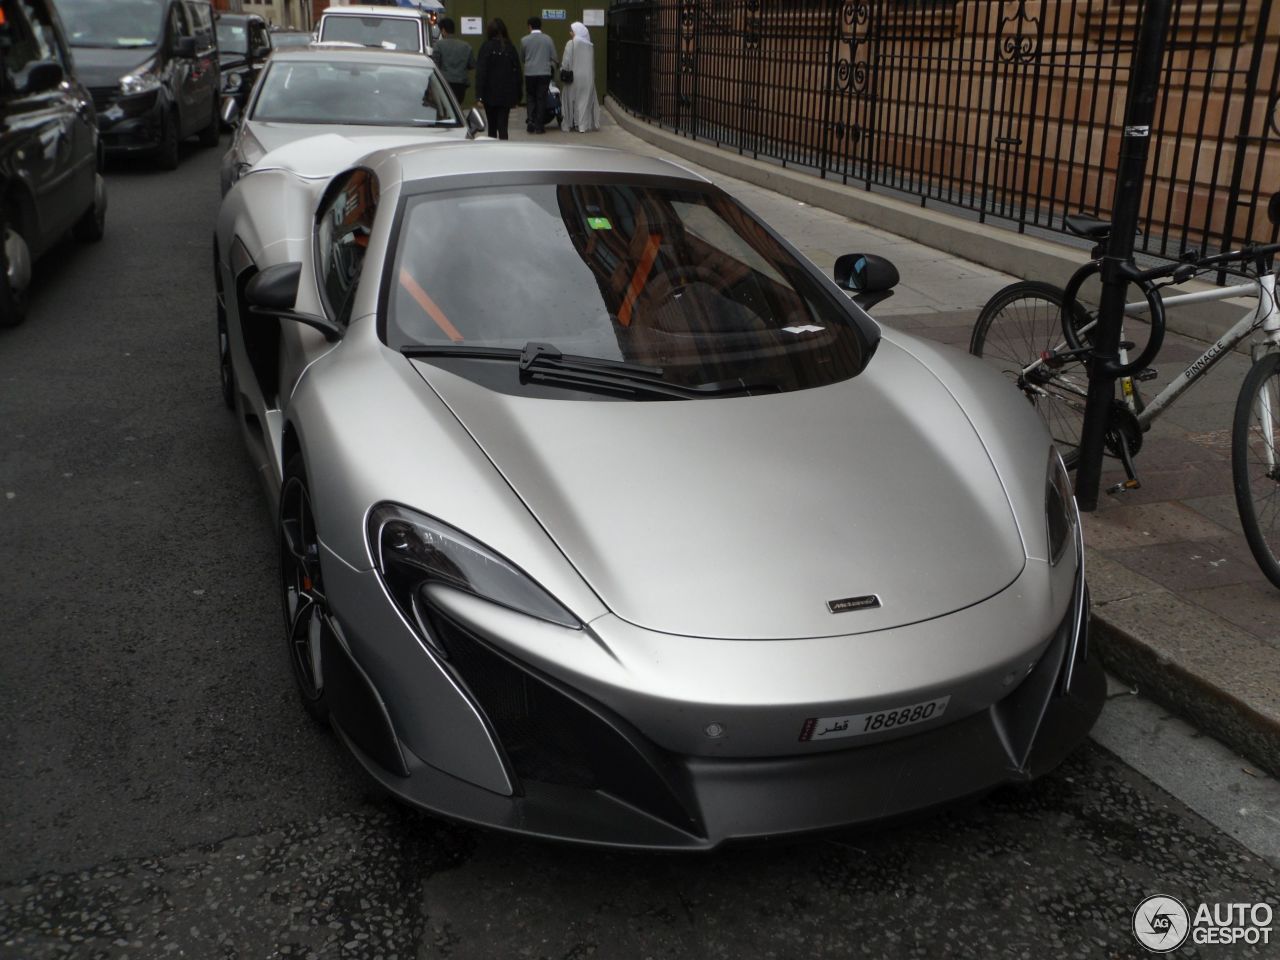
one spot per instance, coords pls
(1038, 334)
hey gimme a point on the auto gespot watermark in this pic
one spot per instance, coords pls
(1162, 923)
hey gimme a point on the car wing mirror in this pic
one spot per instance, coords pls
(476, 123)
(230, 110)
(273, 293)
(261, 53)
(44, 75)
(1273, 210)
(185, 47)
(869, 278)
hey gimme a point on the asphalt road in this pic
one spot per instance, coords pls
(162, 794)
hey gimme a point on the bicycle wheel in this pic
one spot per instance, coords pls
(1255, 462)
(1015, 326)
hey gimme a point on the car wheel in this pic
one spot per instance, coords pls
(167, 152)
(210, 135)
(93, 222)
(302, 588)
(15, 278)
(225, 372)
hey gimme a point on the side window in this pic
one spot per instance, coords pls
(258, 37)
(342, 237)
(179, 26)
(33, 38)
(201, 24)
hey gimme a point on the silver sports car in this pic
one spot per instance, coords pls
(606, 516)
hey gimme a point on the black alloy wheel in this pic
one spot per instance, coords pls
(13, 300)
(211, 134)
(302, 587)
(167, 154)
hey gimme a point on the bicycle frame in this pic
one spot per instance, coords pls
(1265, 315)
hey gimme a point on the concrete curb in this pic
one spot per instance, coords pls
(1030, 258)
(1223, 680)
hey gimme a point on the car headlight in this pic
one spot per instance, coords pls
(142, 80)
(1060, 512)
(412, 551)
(232, 82)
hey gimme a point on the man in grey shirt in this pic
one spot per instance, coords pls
(539, 54)
(454, 58)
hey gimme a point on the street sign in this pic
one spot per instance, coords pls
(555, 15)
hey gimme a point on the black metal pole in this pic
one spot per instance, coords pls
(1140, 110)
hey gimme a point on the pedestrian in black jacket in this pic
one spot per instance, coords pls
(498, 78)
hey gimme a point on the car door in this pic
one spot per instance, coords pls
(204, 73)
(259, 39)
(38, 131)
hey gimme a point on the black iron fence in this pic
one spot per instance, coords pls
(1012, 109)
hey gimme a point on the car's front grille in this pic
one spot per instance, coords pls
(552, 737)
(103, 97)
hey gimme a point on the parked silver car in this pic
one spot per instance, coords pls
(605, 516)
(340, 89)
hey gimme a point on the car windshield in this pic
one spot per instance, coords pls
(112, 23)
(681, 278)
(338, 92)
(233, 38)
(392, 33)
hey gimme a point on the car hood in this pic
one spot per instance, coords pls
(104, 66)
(743, 518)
(273, 135)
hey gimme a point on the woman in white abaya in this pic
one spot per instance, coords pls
(578, 98)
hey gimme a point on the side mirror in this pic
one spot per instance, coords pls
(261, 53)
(44, 75)
(185, 47)
(1273, 210)
(273, 293)
(870, 278)
(476, 123)
(230, 111)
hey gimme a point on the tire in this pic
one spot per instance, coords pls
(1013, 329)
(1257, 485)
(167, 153)
(211, 135)
(13, 299)
(302, 589)
(92, 224)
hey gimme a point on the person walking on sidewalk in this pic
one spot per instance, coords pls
(578, 81)
(497, 78)
(454, 58)
(539, 55)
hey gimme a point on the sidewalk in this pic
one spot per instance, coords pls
(1180, 609)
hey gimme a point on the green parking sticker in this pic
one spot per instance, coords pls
(599, 223)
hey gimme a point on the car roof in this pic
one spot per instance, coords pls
(350, 53)
(425, 162)
(364, 10)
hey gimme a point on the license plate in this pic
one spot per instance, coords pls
(864, 724)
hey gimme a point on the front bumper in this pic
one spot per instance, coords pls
(129, 124)
(490, 739)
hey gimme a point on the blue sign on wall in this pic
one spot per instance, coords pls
(554, 15)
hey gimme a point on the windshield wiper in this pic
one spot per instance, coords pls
(545, 363)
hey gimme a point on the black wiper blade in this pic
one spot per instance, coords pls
(532, 354)
(545, 363)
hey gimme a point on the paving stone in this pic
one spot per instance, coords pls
(1192, 564)
(1148, 524)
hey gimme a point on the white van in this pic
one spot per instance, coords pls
(391, 28)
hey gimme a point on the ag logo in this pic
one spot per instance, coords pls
(1161, 924)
